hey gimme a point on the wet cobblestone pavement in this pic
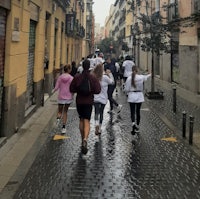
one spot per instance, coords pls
(118, 165)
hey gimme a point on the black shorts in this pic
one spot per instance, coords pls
(84, 111)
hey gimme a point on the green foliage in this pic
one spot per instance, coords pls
(125, 47)
(155, 35)
(105, 44)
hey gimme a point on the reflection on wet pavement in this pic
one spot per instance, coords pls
(118, 165)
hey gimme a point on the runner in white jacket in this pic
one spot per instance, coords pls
(101, 99)
(134, 89)
(127, 65)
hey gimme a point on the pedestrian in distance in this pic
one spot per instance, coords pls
(81, 62)
(92, 62)
(84, 101)
(134, 88)
(127, 68)
(74, 69)
(80, 68)
(100, 100)
(121, 70)
(109, 66)
(117, 66)
(99, 59)
(65, 97)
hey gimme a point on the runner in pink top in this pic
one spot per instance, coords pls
(65, 97)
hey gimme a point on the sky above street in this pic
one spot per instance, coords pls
(101, 10)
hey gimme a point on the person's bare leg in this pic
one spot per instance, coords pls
(86, 131)
(59, 111)
(86, 127)
(81, 127)
(64, 118)
(65, 114)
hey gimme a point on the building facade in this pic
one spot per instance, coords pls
(180, 65)
(109, 23)
(37, 39)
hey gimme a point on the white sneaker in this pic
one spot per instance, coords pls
(123, 86)
(119, 108)
(116, 91)
(137, 130)
(64, 130)
(57, 122)
(97, 130)
(111, 112)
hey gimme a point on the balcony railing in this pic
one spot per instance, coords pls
(73, 26)
(63, 3)
(81, 4)
(173, 11)
(6, 4)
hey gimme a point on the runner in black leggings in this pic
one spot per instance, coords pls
(134, 88)
(110, 66)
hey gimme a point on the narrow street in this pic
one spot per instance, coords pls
(118, 165)
(44, 44)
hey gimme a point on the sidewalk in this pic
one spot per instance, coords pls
(165, 110)
(14, 149)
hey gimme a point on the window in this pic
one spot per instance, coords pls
(157, 5)
(196, 6)
(172, 10)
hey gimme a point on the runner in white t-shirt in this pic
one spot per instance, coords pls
(134, 88)
(127, 65)
(99, 59)
(100, 100)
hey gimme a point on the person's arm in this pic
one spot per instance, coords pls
(109, 79)
(123, 64)
(145, 77)
(127, 87)
(72, 87)
(96, 86)
(57, 84)
(117, 67)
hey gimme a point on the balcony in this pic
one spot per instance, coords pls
(196, 4)
(6, 4)
(62, 3)
(89, 18)
(88, 36)
(74, 27)
(172, 12)
(122, 16)
(81, 5)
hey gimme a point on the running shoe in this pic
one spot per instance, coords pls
(63, 130)
(84, 147)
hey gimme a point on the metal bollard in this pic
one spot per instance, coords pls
(174, 98)
(191, 130)
(184, 124)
